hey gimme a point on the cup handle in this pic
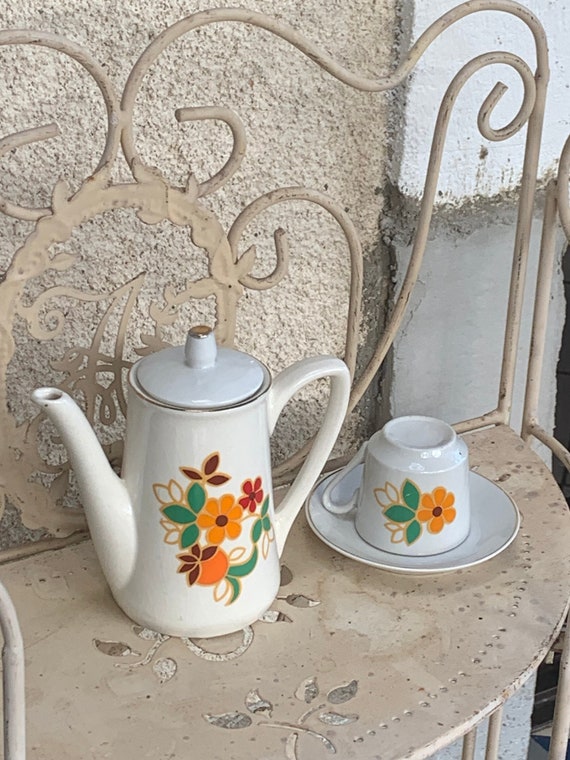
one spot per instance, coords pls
(342, 508)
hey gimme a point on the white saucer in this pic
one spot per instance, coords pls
(495, 521)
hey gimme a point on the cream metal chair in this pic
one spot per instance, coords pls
(522, 612)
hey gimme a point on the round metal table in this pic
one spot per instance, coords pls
(350, 659)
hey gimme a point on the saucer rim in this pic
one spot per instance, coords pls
(384, 563)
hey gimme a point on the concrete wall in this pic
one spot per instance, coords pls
(446, 359)
(454, 328)
(304, 128)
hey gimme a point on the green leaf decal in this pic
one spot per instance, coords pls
(256, 531)
(189, 536)
(411, 495)
(236, 586)
(239, 571)
(400, 514)
(266, 522)
(413, 531)
(178, 514)
(196, 497)
(265, 506)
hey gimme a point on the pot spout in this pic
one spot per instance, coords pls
(103, 494)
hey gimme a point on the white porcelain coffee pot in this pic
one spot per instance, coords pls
(188, 537)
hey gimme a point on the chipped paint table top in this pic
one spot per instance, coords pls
(350, 659)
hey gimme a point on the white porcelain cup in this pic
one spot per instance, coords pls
(414, 494)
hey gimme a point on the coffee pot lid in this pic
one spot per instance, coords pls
(199, 375)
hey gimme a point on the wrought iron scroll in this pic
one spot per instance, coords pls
(154, 198)
(556, 211)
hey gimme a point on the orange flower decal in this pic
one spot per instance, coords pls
(437, 509)
(220, 518)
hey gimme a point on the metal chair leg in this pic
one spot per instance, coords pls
(12, 680)
(494, 734)
(469, 740)
(561, 723)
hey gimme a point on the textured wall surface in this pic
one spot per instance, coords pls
(446, 358)
(303, 127)
(453, 333)
(472, 165)
(465, 279)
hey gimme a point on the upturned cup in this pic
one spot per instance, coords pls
(413, 498)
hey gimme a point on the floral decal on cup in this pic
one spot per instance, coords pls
(200, 525)
(437, 509)
(409, 510)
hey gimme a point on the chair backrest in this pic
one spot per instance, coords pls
(44, 277)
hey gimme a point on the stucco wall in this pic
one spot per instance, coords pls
(304, 128)
(473, 166)
(454, 328)
(446, 358)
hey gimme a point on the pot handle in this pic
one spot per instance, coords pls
(285, 385)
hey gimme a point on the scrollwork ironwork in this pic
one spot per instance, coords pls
(230, 272)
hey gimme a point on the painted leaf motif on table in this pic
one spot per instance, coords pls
(343, 693)
(286, 576)
(229, 720)
(411, 495)
(300, 600)
(336, 719)
(275, 616)
(146, 633)
(308, 690)
(255, 703)
(164, 669)
(114, 648)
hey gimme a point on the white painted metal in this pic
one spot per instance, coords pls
(469, 741)
(494, 735)
(13, 682)
(561, 726)
(442, 649)
(542, 546)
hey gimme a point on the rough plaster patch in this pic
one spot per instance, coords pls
(471, 164)
(12, 530)
(304, 128)
(465, 279)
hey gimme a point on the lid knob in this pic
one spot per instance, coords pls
(200, 350)
(199, 375)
